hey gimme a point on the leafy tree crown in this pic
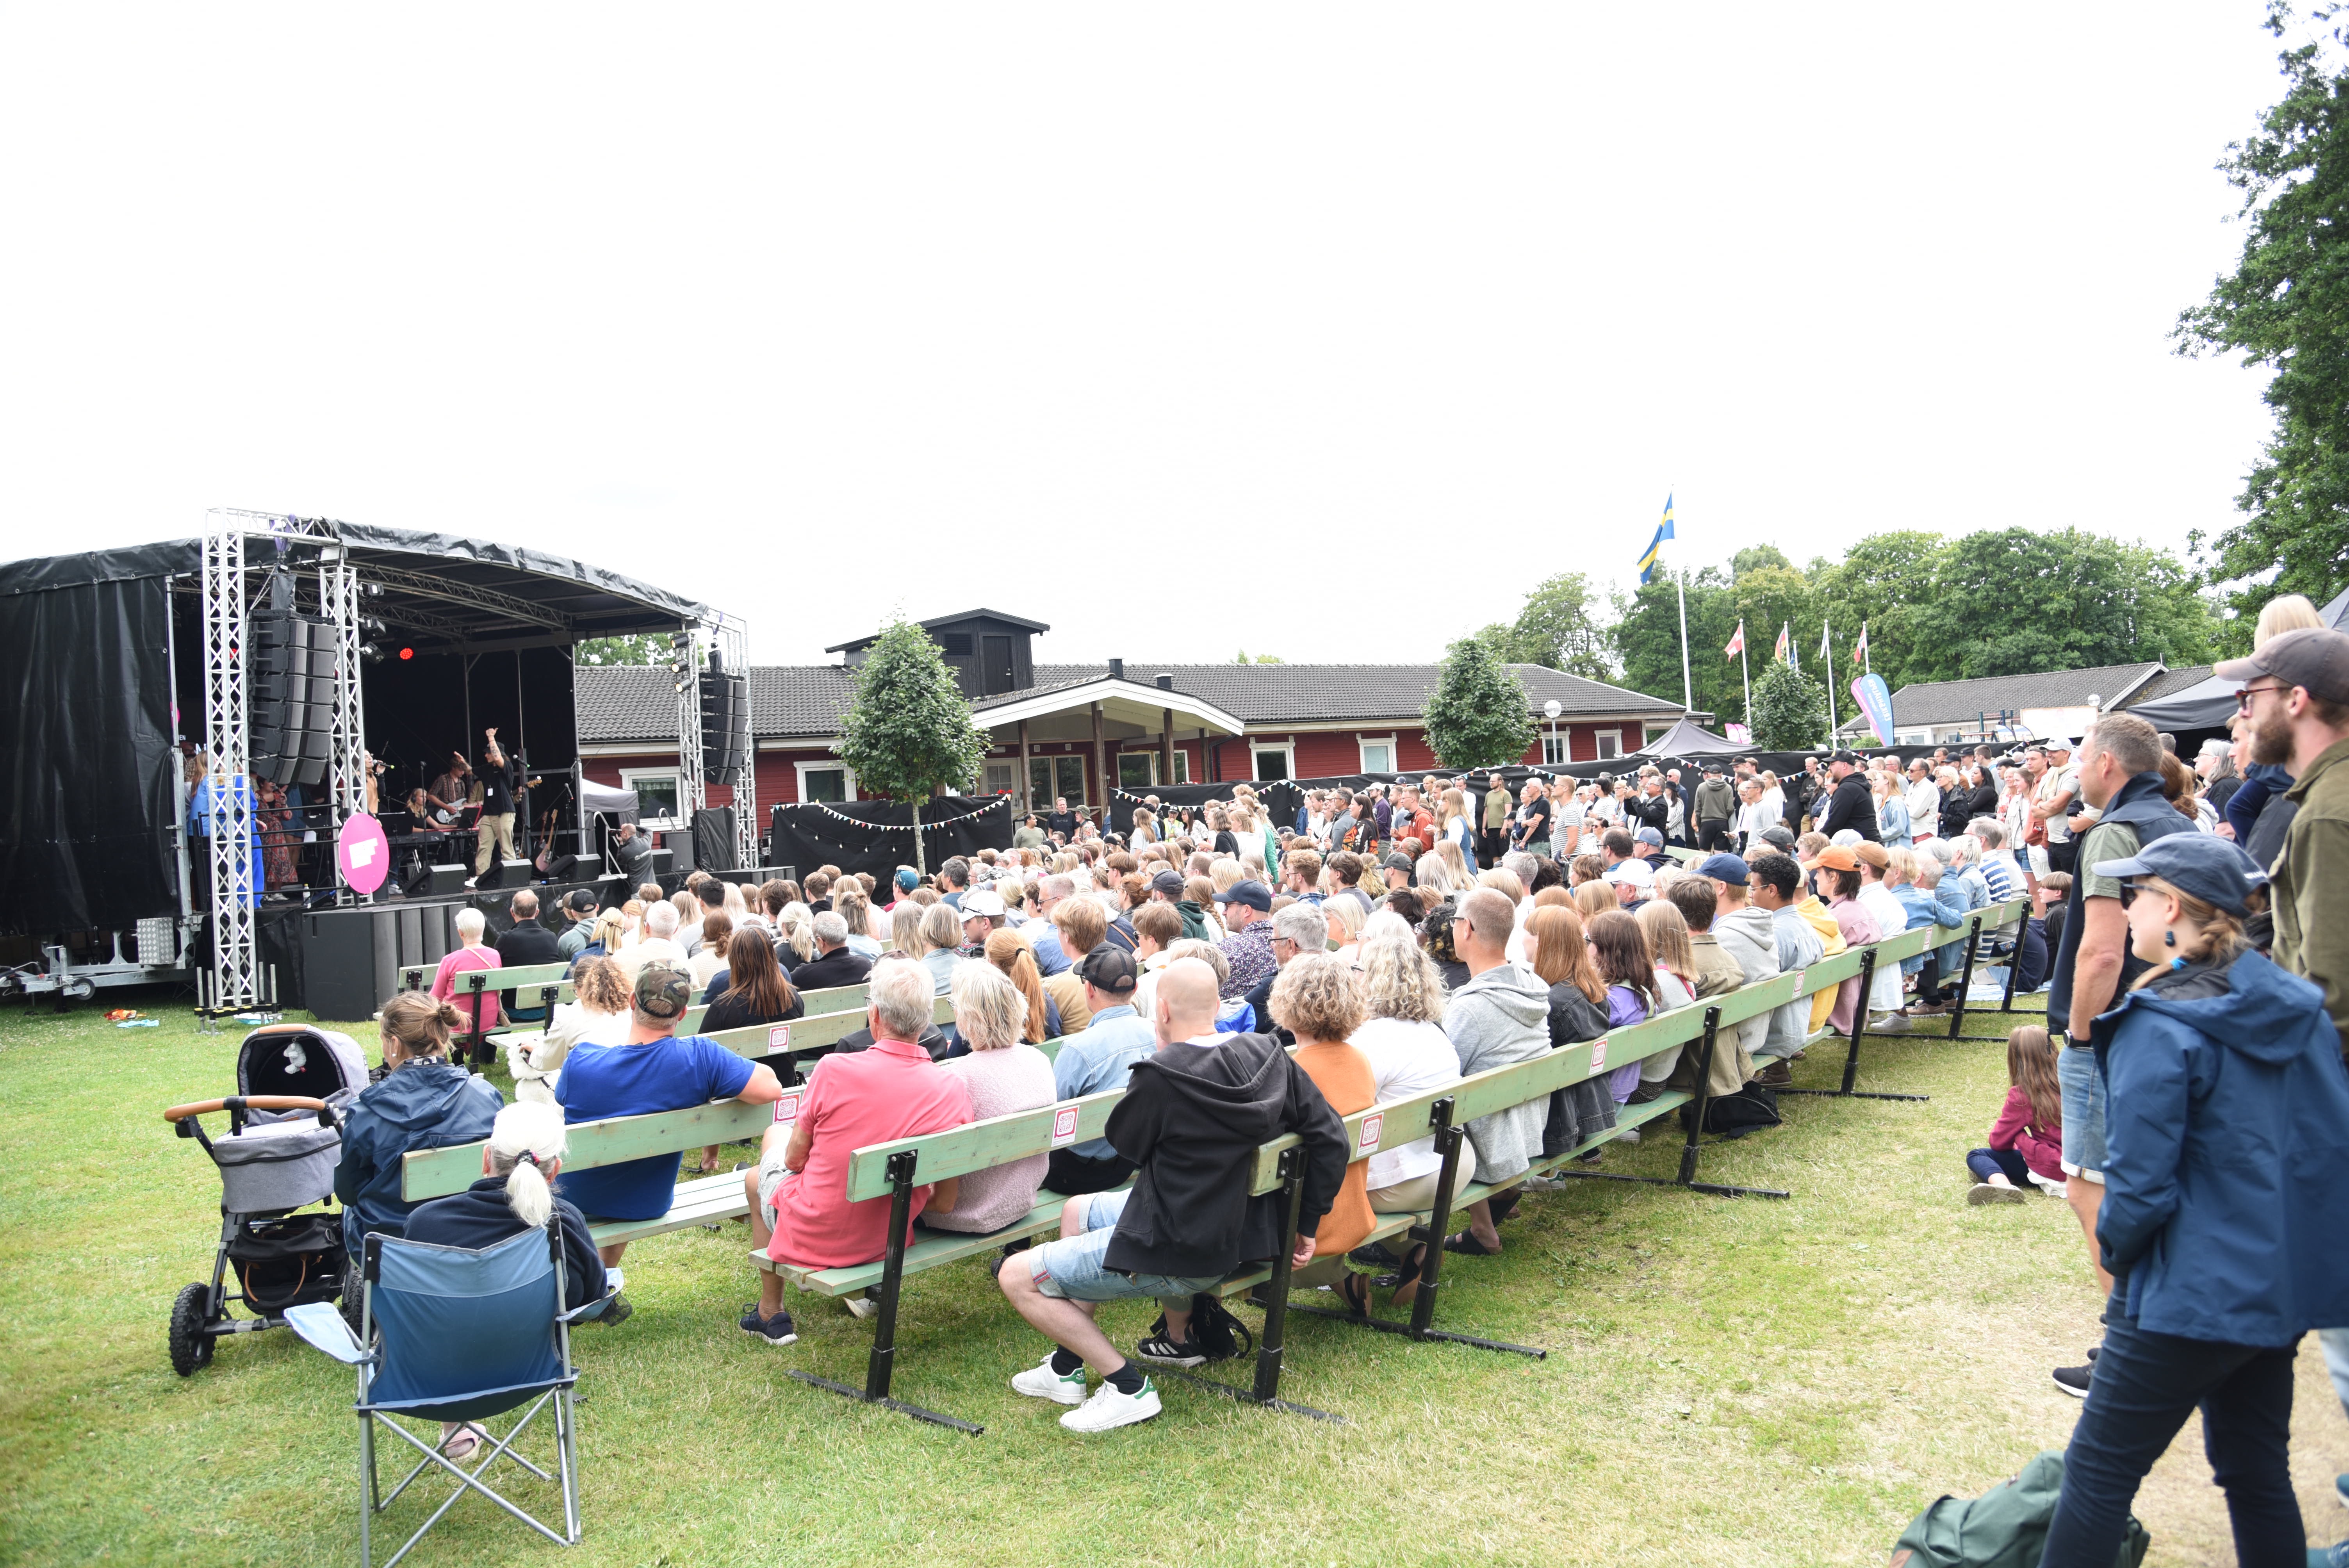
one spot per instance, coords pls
(1478, 716)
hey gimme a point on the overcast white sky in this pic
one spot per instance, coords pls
(1323, 330)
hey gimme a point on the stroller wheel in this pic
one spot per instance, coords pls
(190, 1346)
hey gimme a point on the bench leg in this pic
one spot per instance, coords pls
(879, 1366)
(1965, 980)
(1696, 1106)
(1851, 1056)
(2014, 964)
(1451, 1139)
(1268, 1346)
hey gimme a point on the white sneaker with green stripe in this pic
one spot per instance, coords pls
(1108, 1409)
(1041, 1382)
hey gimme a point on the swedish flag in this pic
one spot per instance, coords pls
(1648, 562)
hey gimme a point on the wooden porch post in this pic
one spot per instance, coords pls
(1166, 746)
(1100, 775)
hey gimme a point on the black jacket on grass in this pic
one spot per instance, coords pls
(1191, 1120)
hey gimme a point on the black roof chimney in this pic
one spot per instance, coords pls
(1117, 669)
(1165, 683)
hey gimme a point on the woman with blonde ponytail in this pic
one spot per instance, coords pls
(515, 1194)
(423, 1101)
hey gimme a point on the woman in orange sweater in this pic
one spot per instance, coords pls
(1318, 999)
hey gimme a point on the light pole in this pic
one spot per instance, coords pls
(1552, 709)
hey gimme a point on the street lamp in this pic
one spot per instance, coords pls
(1552, 708)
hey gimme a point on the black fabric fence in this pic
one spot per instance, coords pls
(876, 836)
(1286, 795)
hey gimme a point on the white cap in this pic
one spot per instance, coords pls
(1634, 872)
(981, 902)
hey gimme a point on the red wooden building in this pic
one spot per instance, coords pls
(1064, 729)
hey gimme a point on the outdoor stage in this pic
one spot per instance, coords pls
(162, 696)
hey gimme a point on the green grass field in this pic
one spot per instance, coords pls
(1729, 1380)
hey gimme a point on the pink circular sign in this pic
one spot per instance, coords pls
(362, 853)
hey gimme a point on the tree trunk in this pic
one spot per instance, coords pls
(919, 869)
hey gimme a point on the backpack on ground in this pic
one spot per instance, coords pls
(1750, 1110)
(1214, 1330)
(2005, 1527)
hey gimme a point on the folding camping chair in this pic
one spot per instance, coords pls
(465, 1335)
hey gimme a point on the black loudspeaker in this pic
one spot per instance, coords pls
(713, 838)
(678, 847)
(506, 874)
(438, 880)
(560, 868)
(613, 890)
(662, 866)
(725, 724)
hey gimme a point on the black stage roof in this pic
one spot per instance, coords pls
(441, 593)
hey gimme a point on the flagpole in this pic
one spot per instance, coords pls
(1746, 671)
(1688, 690)
(1827, 641)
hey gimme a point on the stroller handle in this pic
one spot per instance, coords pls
(245, 1103)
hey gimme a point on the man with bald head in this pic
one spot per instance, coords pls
(1191, 1118)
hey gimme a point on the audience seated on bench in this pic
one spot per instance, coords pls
(1099, 1058)
(799, 1213)
(1316, 999)
(600, 1014)
(653, 1071)
(1192, 1120)
(1003, 1075)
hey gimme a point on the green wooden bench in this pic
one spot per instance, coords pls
(702, 1200)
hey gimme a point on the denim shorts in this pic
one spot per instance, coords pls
(1071, 1268)
(2083, 1113)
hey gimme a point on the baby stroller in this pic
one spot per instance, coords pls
(293, 1082)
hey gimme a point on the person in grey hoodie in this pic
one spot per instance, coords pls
(1793, 943)
(1750, 937)
(1716, 807)
(1501, 1017)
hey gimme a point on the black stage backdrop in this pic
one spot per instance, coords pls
(876, 836)
(91, 782)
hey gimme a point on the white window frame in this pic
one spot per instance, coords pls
(799, 770)
(1011, 766)
(1610, 744)
(1181, 766)
(628, 778)
(1288, 749)
(1363, 742)
(1563, 741)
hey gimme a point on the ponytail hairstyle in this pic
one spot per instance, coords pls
(421, 1023)
(525, 1146)
(1009, 953)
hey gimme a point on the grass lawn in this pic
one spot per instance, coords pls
(1729, 1380)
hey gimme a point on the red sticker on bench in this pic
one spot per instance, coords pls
(1372, 1124)
(1599, 1053)
(1064, 1127)
(788, 1108)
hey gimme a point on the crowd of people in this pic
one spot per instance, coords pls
(1242, 974)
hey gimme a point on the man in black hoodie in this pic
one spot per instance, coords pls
(1850, 806)
(1191, 1120)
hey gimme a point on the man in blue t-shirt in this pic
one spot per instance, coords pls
(654, 1071)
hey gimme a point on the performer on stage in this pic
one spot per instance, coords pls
(632, 851)
(500, 780)
(446, 794)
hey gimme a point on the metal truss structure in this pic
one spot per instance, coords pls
(734, 642)
(232, 858)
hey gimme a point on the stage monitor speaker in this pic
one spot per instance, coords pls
(561, 868)
(506, 874)
(678, 847)
(662, 866)
(612, 891)
(437, 881)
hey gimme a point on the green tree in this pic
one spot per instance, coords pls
(1883, 582)
(641, 649)
(1558, 628)
(1790, 710)
(2014, 601)
(1478, 716)
(2282, 308)
(1755, 556)
(1647, 637)
(909, 732)
(1770, 597)
(1243, 657)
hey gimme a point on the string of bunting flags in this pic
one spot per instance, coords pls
(1002, 803)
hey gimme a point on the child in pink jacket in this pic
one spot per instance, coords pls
(2026, 1141)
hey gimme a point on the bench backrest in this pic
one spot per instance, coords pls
(438, 1172)
(999, 1140)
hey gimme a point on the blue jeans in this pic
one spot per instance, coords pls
(1988, 1162)
(2145, 1386)
(2084, 1112)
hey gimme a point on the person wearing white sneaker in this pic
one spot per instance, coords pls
(1191, 1120)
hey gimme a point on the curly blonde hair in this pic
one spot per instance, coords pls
(1315, 998)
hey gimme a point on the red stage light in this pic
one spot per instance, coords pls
(408, 653)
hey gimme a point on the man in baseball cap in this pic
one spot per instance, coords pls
(2295, 699)
(1729, 869)
(1633, 881)
(1248, 949)
(654, 1071)
(579, 909)
(1396, 868)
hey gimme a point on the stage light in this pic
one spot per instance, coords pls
(371, 625)
(408, 653)
(372, 590)
(370, 652)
